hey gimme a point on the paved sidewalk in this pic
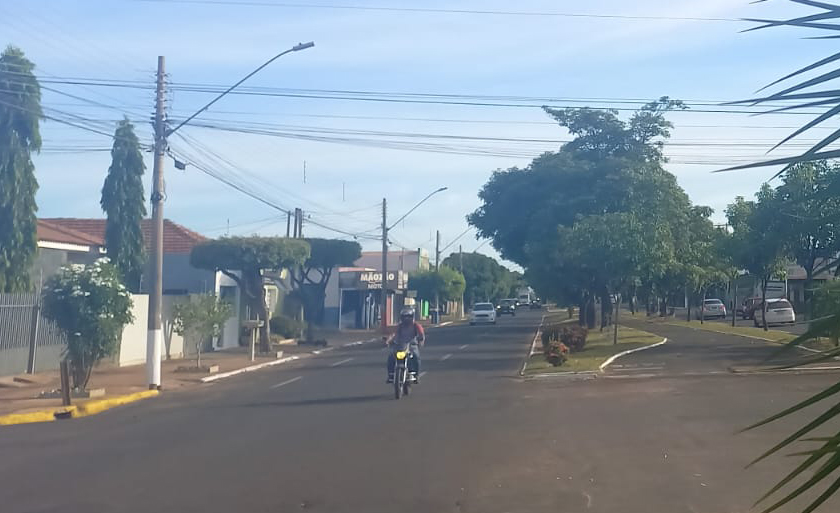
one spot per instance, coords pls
(22, 396)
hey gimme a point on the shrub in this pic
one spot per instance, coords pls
(572, 335)
(203, 318)
(91, 305)
(285, 326)
(557, 353)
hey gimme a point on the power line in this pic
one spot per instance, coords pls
(426, 10)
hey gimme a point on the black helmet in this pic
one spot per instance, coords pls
(407, 313)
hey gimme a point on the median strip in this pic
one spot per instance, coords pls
(84, 409)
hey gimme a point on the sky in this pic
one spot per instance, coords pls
(390, 103)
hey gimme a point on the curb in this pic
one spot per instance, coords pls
(573, 375)
(743, 335)
(793, 370)
(531, 347)
(81, 410)
(629, 351)
(209, 379)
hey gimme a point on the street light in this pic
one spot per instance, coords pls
(385, 230)
(154, 342)
(298, 47)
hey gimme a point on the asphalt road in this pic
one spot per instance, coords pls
(326, 435)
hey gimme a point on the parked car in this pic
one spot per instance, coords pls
(507, 306)
(711, 309)
(483, 313)
(779, 311)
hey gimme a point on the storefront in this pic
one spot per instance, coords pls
(360, 297)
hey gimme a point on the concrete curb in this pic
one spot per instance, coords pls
(81, 410)
(744, 335)
(629, 351)
(251, 368)
(770, 370)
(573, 375)
(531, 347)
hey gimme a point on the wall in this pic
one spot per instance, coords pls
(134, 336)
(228, 290)
(179, 277)
(48, 261)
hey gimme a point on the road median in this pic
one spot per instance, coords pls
(597, 354)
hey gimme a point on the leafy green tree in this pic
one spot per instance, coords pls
(810, 217)
(243, 259)
(203, 318)
(91, 305)
(446, 282)
(20, 112)
(311, 277)
(760, 249)
(124, 205)
(486, 279)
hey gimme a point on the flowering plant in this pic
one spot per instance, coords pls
(91, 305)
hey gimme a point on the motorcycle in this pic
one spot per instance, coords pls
(404, 377)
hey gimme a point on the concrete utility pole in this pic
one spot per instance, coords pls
(154, 340)
(461, 269)
(437, 271)
(384, 292)
(288, 223)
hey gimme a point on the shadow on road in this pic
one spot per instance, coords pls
(357, 399)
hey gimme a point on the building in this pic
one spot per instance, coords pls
(59, 246)
(398, 260)
(179, 277)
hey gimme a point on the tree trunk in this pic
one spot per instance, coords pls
(582, 307)
(734, 299)
(256, 300)
(688, 310)
(198, 353)
(806, 294)
(606, 307)
(663, 307)
(590, 312)
(702, 307)
(764, 302)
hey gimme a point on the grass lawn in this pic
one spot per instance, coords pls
(599, 347)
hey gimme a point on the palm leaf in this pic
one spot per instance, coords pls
(818, 64)
(810, 483)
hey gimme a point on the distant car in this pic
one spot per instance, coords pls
(483, 313)
(779, 311)
(712, 308)
(507, 306)
(536, 304)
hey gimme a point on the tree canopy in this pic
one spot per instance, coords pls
(250, 256)
(20, 114)
(124, 205)
(485, 279)
(446, 282)
(311, 277)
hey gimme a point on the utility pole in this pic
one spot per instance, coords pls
(288, 223)
(384, 291)
(154, 341)
(300, 223)
(437, 271)
(461, 269)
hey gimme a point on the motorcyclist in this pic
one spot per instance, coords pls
(410, 333)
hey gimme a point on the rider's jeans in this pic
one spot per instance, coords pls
(414, 362)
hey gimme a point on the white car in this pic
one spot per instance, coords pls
(483, 313)
(712, 308)
(779, 311)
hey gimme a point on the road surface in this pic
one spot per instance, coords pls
(326, 435)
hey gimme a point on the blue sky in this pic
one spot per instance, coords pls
(573, 58)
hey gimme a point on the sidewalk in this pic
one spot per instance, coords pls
(20, 395)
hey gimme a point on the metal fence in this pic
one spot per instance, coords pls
(25, 334)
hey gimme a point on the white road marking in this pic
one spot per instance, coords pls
(356, 343)
(422, 374)
(464, 347)
(446, 357)
(325, 350)
(288, 381)
(336, 364)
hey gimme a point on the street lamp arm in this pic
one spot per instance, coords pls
(415, 207)
(298, 47)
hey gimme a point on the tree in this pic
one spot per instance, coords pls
(243, 259)
(446, 282)
(20, 112)
(760, 249)
(486, 279)
(810, 218)
(202, 317)
(311, 277)
(91, 305)
(124, 205)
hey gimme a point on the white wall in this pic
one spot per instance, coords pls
(134, 337)
(133, 343)
(230, 332)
